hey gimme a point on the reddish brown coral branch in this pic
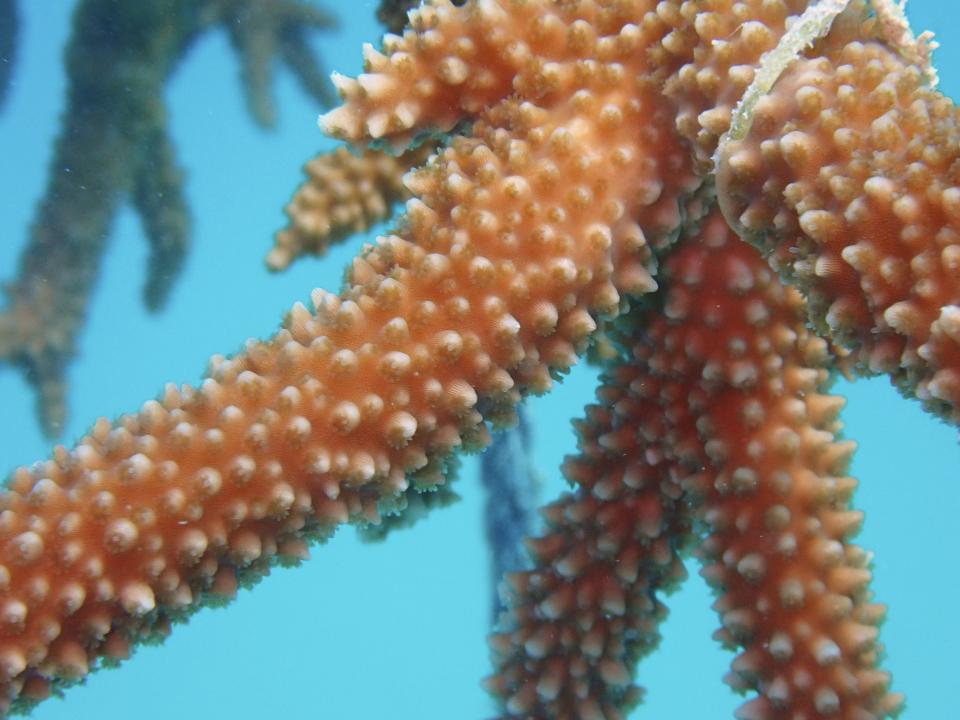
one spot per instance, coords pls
(717, 416)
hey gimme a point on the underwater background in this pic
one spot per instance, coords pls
(395, 629)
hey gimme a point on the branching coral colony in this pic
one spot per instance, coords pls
(615, 147)
(118, 61)
(345, 194)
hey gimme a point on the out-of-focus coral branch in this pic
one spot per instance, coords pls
(262, 31)
(158, 198)
(511, 483)
(9, 29)
(114, 145)
(344, 194)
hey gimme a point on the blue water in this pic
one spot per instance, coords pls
(395, 630)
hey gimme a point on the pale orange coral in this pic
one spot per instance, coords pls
(849, 180)
(487, 292)
(545, 219)
(844, 178)
(343, 194)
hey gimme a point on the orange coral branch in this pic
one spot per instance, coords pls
(549, 216)
(844, 177)
(859, 206)
(344, 194)
(485, 295)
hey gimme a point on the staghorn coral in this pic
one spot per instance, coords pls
(569, 181)
(344, 194)
(847, 210)
(114, 146)
(713, 429)
(843, 195)
(438, 329)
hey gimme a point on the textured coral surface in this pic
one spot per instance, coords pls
(680, 694)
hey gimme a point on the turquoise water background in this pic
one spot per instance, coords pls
(396, 630)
